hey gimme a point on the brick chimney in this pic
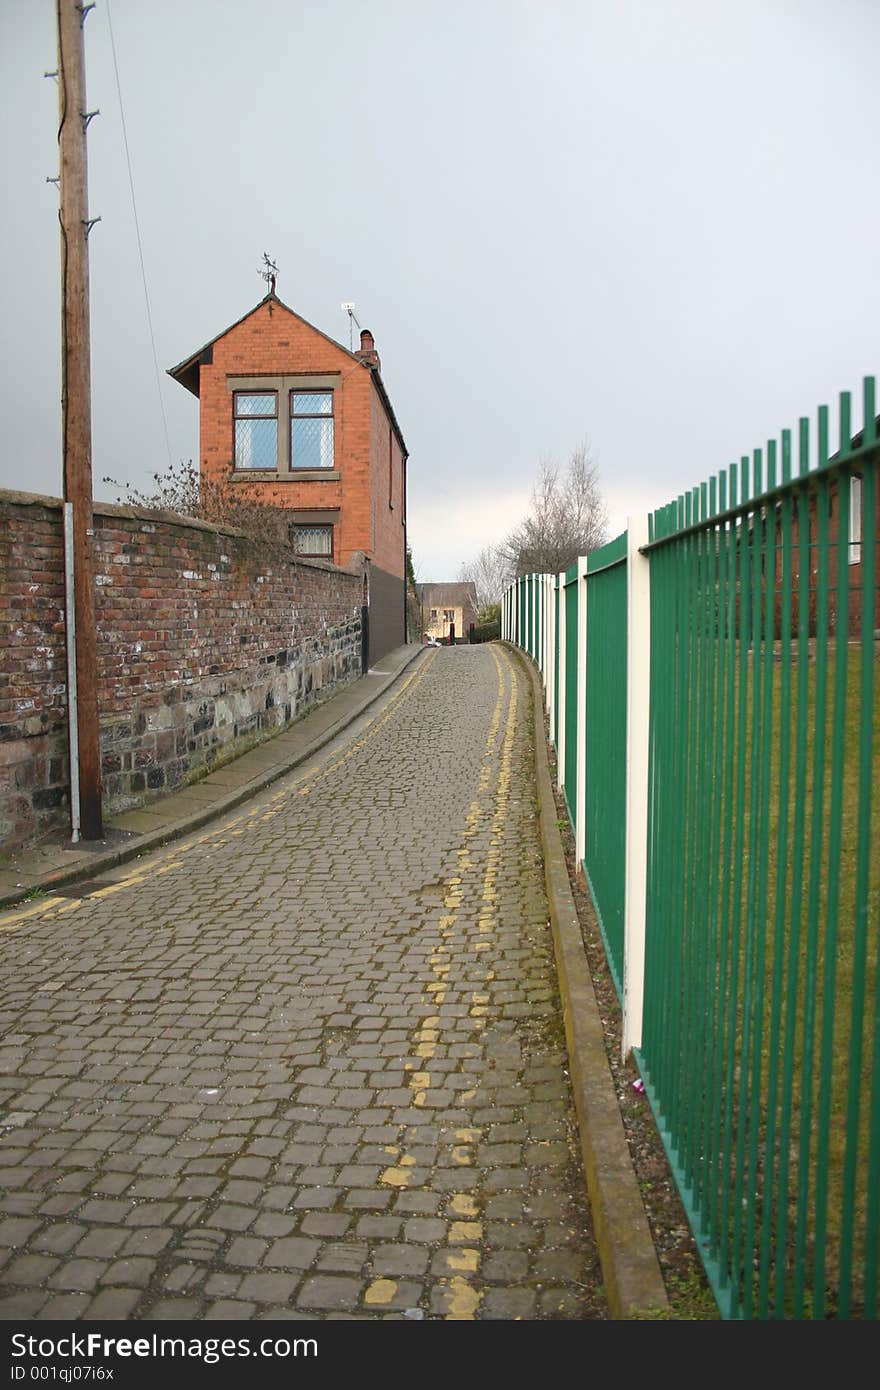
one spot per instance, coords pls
(368, 354)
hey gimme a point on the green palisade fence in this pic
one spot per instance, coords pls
(557, 666)
(532, 616)
(536, 606)
(605, 740)
(519, 598)
(759, 1038)
(571, 662)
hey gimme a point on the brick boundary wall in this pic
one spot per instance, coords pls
(200, 647)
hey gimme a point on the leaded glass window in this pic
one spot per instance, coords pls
(311, 429)
(256, 429)
(313, 540)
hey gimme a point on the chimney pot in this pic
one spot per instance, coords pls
(367, 352)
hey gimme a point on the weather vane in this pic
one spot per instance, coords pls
(268, 272)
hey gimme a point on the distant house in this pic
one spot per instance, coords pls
(298, 420)
(448, 610)
(858, 527)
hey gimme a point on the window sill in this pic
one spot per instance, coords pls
(268, 475)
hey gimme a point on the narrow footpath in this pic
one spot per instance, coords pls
(309, 1061)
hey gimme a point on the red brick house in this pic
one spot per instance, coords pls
(858, 527)
(298, 420)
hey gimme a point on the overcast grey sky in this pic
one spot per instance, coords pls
(650, 223)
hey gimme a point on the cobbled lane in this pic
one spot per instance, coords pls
(308, 1063)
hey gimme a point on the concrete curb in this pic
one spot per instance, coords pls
(94, 863)
(633, 1282)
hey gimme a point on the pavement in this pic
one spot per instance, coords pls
(291, 1044)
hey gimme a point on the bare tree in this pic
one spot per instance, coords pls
(490, 573)
(567, 518)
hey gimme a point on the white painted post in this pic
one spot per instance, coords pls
(548, 641)
(520, 613)
(522, 610)
(580, 818)
(560, 732)
(533, 619)
(542, 609)
(638, 692)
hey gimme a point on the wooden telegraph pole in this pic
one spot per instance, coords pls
(76, 408)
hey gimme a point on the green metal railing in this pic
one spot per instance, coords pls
(760, 1032)
(557, 656)
(761, 928)
(605, 745)
(571, 664)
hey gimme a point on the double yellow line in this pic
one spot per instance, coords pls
(465, 1226)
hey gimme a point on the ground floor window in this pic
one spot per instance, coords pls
(315, 541)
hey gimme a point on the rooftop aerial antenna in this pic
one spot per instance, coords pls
(268, 272)
(348, 306)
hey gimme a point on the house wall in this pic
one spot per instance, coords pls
(199, 647)
(274, 342)
(387, 623)
(386, 613)
(387, 492)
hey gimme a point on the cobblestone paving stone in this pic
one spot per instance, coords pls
(310, 1063)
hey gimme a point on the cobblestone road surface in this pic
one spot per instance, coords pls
(309, 1063)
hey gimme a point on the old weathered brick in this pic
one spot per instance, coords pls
(189, 631)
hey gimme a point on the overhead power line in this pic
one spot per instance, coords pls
(138, 235)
